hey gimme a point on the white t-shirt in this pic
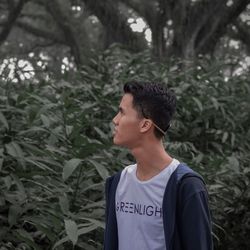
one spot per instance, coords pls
(139, 209)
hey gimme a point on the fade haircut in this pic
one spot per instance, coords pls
(153, 101)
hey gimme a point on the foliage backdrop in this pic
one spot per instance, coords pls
(56, 150)
(51, 30)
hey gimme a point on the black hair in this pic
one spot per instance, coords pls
(153, 101)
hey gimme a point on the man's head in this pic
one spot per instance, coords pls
(146, 102)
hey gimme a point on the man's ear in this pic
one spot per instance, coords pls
(146, 124)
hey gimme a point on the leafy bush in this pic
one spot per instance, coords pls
(56, 149)
(54, 160)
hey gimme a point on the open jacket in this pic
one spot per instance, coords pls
(186, 216)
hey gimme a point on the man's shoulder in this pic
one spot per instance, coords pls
(127, 169)
(190, 181)
(114, 176)
(185, 178)
(183, 171)
(111, 183)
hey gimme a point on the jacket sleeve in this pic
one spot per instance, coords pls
(194, 216)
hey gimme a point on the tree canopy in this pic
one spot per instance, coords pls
(80, 28)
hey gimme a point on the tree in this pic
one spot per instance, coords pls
(179, 28)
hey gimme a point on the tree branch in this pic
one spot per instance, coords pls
(40, 32)
(215, 27)
(63, 22)
(14, 12)
(116, 24)
(198, 26)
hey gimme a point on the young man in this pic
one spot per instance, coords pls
(157, 203)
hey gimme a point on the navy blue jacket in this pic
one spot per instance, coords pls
(186, 216)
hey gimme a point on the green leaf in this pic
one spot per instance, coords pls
(39, 98)
(102, 171)
(225, 136)
(70, 167)
(64, 204)
(13, 214)
(47, 231)
(39, 164)
(100, 132)
(32, 130)
(98, 223)
(45, 120)
(88, 229)
(215, 103)
(25, 236)
(20, 186)
(40, 185)
(15, 150)
(71, 230)
(60, 242)
(234, 163)
(4, 120)
(69, 130)
(232, 139)
(198, 102)
(199, 158)
(32, 149)
(7, 181)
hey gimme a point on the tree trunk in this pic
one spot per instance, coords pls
(116, 25)
(14, 12)
(198, 28)
(64, 23)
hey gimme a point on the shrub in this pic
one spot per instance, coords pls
(56, 150)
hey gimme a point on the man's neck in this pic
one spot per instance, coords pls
(151, 160)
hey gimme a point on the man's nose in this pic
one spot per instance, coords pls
(115, 120)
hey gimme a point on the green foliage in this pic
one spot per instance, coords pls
(56, 149)
(54, 159)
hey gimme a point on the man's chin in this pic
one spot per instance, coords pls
(117, 142)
